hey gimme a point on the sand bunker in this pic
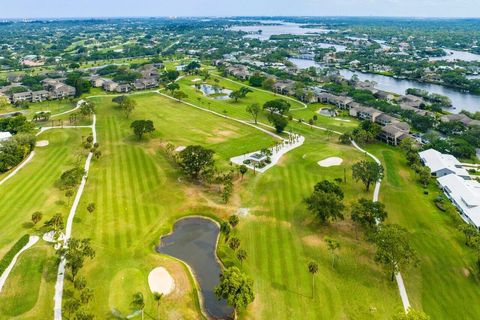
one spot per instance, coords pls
(329, 162)
(161, 281)
(196, 80)
(42, 143)
(180, 148)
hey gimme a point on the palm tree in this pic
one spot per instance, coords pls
(313, 269)
(241, 255)
(138, 302)
(158, 297)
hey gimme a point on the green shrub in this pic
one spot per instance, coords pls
(12, 252)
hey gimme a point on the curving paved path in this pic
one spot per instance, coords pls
(398, 276)
(18, 168)
(376, 192)
(57, 309)
(222, 115)
(32, 154)
(79, 103)
(6, 273)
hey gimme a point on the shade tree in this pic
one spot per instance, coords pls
(393, 249)
(236, 288)
(196, 162)
(367, 172)
(141, 127)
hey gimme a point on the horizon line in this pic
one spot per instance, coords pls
(233, 16)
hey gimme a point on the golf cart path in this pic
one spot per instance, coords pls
(3, 278)
(223, 116)
(79, 104)
(57, 309)
(18, 168)
(32, 154)
(376, 192)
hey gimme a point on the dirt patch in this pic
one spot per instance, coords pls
(220, 135)
(313, 241)
(466, 272)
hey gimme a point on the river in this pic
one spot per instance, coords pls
(460, 100)
(453, 55)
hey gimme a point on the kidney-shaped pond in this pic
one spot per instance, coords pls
(194, 241)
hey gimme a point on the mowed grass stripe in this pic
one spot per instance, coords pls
(27, 192)
(134, 213)
(116, 188)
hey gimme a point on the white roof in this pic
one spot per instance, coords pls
(5, 135)
(466, 195)
(437, 161)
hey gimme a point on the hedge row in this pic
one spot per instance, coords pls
(12, 252)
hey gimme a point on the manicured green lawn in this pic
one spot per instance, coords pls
(33, 188)
(238, 109)
(281, 237)
(138, 196)
(53, 106)
(446, 283)
(28, 293)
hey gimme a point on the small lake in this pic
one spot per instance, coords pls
(460, 100)
(194, 241)
(213, 92)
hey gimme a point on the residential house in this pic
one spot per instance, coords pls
(285, 87)
(460, 117)
(14, 78)
(239, 71)
(443, 164)
(109, 85)
(145, 83)
(384, 95)
(39, 96)
(22, 96)
(61, 91)
(123, 88)
(394, 133)
(339, 101)
(385, 119)
(465, 195)
(365, 113)
(96, 81)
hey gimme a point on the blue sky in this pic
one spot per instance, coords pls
(112, 8)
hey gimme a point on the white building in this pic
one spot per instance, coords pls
(465, 194)
(5, 135)
(443, 164)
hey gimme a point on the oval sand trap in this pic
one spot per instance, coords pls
(42, 143)
(161, 281)
(329, 162)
